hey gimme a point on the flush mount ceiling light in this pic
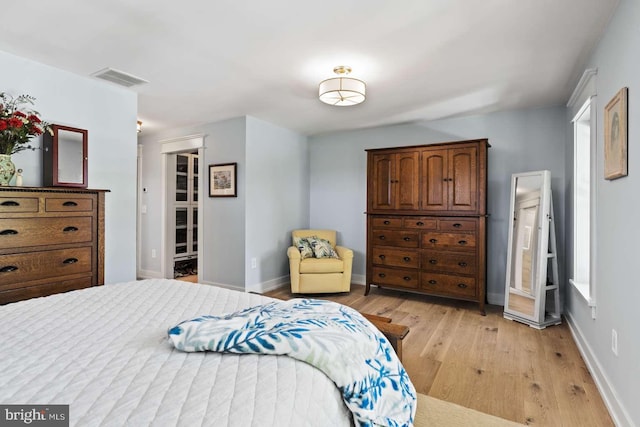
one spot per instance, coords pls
(342, 90)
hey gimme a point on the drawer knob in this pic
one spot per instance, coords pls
(407, 278)
(419, 223)
(386, 222)
(407, 239)
(70, 261)
(382, 275)
(70, 203)
(457, 225)
(382, 237)
(8, 232)
(8, 269)
(433, 261)
(406, 259)
(462, 242)
(462, 264)
(381, 256)
(462, 285)
(433, 240)
(70, 229)
(10, 203)
(433, 282)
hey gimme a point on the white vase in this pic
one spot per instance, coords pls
(7, 169)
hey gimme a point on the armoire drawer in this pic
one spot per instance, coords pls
(398, 238)
(18, 204)
(396, 277)
(386, 222)
(395, 257)
(445, 284)
(454, 262)
(421, 223)
(38, 289)
(449, 241)
(25, 232)
(16, 269)
(459, 225)
(68, 204)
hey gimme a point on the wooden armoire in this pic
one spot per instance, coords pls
(426, 219)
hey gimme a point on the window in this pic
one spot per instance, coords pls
(584, 134)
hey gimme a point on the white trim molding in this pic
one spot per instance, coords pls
(584, 81)
(184, 143)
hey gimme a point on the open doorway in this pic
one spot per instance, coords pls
(184, 204)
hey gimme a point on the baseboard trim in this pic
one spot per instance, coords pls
(222, 285)
(358, 279)
(617, 411)
(269, 285)
(149, 274)
(495, 299)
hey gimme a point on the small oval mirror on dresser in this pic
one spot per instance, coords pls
(65, 157)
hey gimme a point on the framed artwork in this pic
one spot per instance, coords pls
(615, 136)
(222, 180)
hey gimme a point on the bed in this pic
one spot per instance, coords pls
(104, 351)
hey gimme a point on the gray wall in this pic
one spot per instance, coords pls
(108, 112)
(523, 140)
(617, 233)
(272, 199)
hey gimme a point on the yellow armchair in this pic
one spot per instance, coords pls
(320, 275)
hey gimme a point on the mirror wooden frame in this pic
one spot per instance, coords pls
(51, 158)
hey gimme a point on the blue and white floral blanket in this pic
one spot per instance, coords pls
(332, 337)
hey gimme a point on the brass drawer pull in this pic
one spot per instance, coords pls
(70, 261)
(419, 223)
(433, 282)
(8, 232)
(8, 269)
(406, 259)
(462, 285)
(387, 222)
(462, 264)
(433, 261)
(407, 239)
(407, 278)
(10, 203)
(381, 256)
(457, 225)
(382, 237)
(69, 203)
(462, 242)
(69, 229)
(433, 240)
(382, 275)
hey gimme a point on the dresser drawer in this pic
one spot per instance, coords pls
(399, 238)
(20, 268)
(386, 222)
(393, 277)
(18, 204)
(26, 291)
(449, 241)
(454, 262)
(444, 284)
(420, 223)
(461, 225)
(68, 204)
(25, 232)
(395, 258)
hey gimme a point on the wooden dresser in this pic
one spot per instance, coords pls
(51, 241)
(426, 219)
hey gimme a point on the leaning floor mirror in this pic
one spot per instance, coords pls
(532, 295)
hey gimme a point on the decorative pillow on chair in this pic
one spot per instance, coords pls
(322, 248)
(304, 246)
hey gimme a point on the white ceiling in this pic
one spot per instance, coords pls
(421, 59)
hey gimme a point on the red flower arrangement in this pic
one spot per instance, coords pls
(17, 124)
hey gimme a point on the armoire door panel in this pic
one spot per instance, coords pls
(408, 180)
(434, 175)
(463, 181)
(382, 171)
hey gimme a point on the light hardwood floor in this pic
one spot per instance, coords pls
(488, 363)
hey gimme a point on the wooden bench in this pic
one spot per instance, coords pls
(394, 332)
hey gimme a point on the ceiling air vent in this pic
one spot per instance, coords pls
(119, 77)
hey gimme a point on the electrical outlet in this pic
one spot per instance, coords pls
(153, 253)
(614, 341)
(254, 263)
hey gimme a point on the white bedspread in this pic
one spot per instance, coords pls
(105, 352)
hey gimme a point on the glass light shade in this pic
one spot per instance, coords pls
(342, 91)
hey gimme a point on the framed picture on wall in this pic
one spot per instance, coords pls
(222, 180)
(615, 136)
